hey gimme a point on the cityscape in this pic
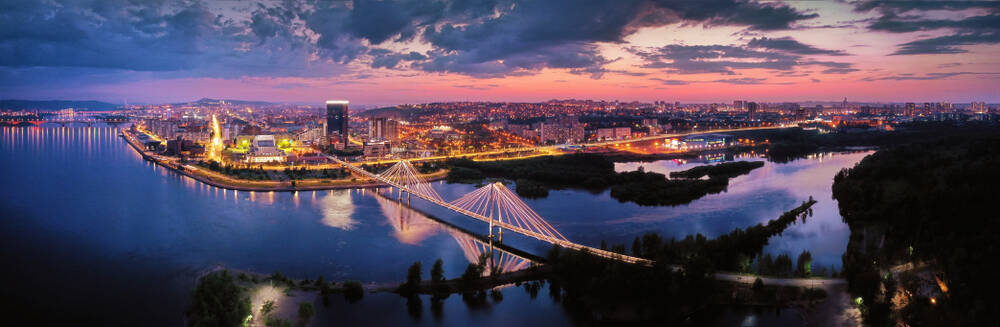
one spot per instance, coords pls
(369, 163)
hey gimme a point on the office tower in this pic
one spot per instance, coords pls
(383, 129)
(752, 107)
(910, 108)
(336, 121)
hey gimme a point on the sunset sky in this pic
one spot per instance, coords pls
(394, 52)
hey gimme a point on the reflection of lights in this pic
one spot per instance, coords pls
(410, 227)
(933, 301)
(337, 209)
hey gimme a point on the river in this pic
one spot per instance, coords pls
(91, 230)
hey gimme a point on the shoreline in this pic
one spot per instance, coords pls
(335, 184)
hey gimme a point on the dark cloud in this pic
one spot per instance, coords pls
(895, 7)
(728, 59)
(382, 58)
(722, 59)
(898, 24)
(947, 44)
(486, 38)
(910, 16)
(755, 15)
(789, 44)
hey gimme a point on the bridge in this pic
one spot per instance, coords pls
(493, 204)
(412, 226)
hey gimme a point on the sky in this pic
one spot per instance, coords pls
(419, 51)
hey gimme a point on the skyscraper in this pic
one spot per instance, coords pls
(336, 121)
(752, 108)
(383, 129)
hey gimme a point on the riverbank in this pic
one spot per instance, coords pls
(222, 181)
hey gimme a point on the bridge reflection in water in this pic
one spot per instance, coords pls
(411, 226)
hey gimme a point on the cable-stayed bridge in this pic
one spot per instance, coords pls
(493, 204)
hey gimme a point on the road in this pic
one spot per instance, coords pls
(824, 283)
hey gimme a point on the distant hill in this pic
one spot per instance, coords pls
(55, 105)
(385, 112)
(209, 101)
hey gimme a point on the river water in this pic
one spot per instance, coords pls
(92, 231)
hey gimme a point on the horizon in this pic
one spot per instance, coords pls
(506, 51)
(370, 106)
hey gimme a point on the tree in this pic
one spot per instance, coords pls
(353, 292)
(758, 283)
(413, 277)
(437, 271)
(218, 301)
(306, 312)
(783, 265)
(766, 265)
(804, 265)
(267, 308)
(636, 247)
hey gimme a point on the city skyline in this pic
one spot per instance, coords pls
(386, 53)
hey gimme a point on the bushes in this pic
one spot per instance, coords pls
(464, 175)
(218, 301)
(531, 189)
(353, 291)
(726, 169)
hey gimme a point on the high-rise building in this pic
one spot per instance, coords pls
(978, 107)
(910, 108)
(336, 121)
(752, 108)
(739, 104)
(383, 129)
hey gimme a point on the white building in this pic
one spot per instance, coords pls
(263, 149)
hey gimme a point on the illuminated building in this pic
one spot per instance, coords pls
(377, 149)
(383, 129)
(336, 121)
(707, 141)
(752, 108)
(613, 133)
(263, 149)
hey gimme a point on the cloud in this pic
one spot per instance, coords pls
(742, 81)
(722, 59)
(171, 40)
(947, 44)
(914, 16)
(727, 59)
(755, 15)
(928, 76)
(789, 44)
(382, 58)
(670, 81)
(476, 87)
(310, 38)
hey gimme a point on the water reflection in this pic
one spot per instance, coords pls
(337, 209)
